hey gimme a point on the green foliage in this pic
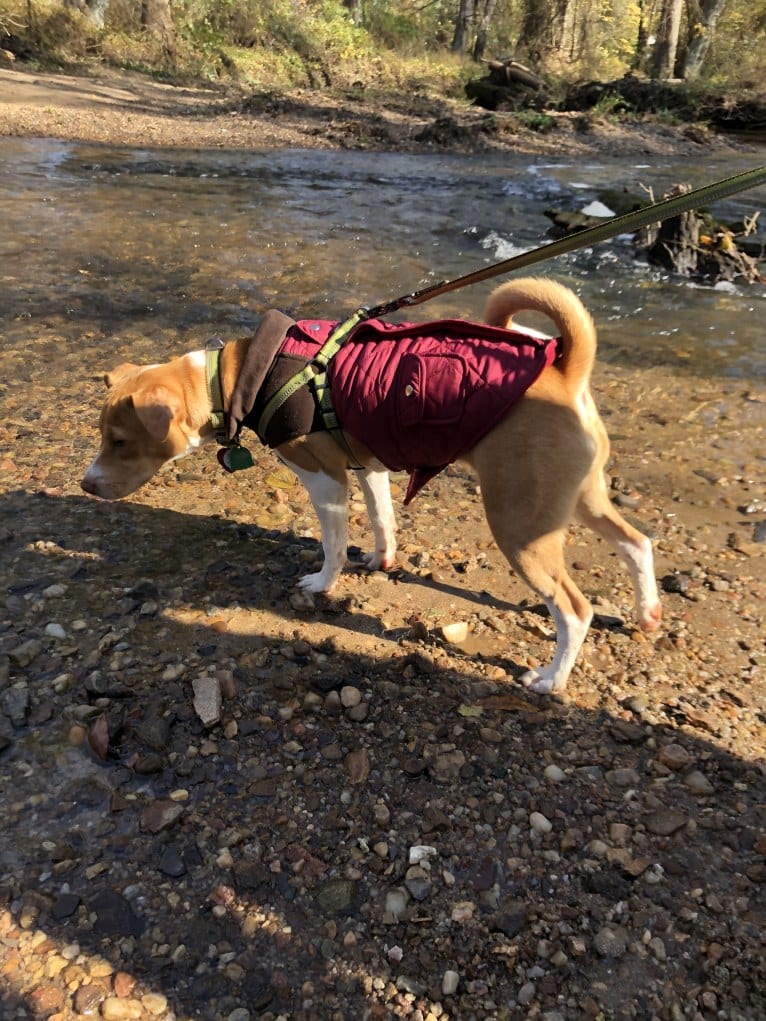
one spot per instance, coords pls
(608, 105)
(308, 38)
(401, 43)
(539, 122)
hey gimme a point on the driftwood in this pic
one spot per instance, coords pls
(692, 245)
(695, 245)
(507, 85)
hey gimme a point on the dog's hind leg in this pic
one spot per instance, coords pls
(329, 497)
(541, 564)
(596, 510)
(377, 496)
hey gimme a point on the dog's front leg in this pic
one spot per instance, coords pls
(329, 498)
(377, 496)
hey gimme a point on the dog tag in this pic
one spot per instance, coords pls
(234, 459)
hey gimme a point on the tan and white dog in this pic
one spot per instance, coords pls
(539, 468)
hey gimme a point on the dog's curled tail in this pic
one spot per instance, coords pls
(558, 303)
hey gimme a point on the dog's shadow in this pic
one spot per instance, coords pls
(213, 563)
(284, 773)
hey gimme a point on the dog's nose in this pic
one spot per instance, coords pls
(88, 485)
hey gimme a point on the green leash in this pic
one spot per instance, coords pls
(628, 223)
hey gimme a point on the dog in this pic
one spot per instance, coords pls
(540, 466)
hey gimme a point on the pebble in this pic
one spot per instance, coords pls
(698, 783)
(455, 633)
(450, 983)
(611, 942)
(421, 852)
(207, 700)
(357, 765)
(674, 756)
(23, 655)
(350, 696)
(418, 883)
(554, 773)
(54, 630)
(665, 821)
(396, 902)
(243, 1014)
(160, 815)
(14, 702)
(88, 998)
(116, 1008)
(539, 823)
(526, 994)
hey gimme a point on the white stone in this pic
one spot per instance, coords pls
(450, 982)
(421, 852)
(207, 700)
(455, 633)
(396, 902)
(539, 823)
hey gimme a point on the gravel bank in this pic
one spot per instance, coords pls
(128, 109)
(224, 801)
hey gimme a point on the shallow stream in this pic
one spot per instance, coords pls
(108, 252)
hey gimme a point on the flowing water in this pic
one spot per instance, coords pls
(108, 252)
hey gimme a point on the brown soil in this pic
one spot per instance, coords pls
(128, 109)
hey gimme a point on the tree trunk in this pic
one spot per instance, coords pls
(94, 10)
(703, 19)
(664, 59)
(356, 9)
(157, 20)
(466, 16)
(488, 9)
(542, 28)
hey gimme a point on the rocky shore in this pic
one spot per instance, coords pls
(222, 799)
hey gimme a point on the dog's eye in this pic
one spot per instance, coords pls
(116, 443)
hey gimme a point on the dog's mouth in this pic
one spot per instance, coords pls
(97, 485)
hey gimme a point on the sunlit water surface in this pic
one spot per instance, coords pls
(107, 252)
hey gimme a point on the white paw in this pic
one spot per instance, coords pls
(544, 681)
(378, 561)
(320, 581)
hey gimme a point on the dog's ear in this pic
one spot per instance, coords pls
(110, 378)
(157, 408)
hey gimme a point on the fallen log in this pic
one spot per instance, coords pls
(692, 245)
(507, 85)
(697, 246)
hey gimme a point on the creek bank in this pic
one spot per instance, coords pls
(129, 109)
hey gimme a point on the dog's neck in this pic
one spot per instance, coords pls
(230, 358)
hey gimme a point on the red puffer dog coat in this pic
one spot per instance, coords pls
(417, 395)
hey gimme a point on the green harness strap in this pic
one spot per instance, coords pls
(316, 374)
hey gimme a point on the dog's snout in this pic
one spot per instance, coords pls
(89, 486)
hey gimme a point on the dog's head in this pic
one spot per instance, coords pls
(143, 426)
